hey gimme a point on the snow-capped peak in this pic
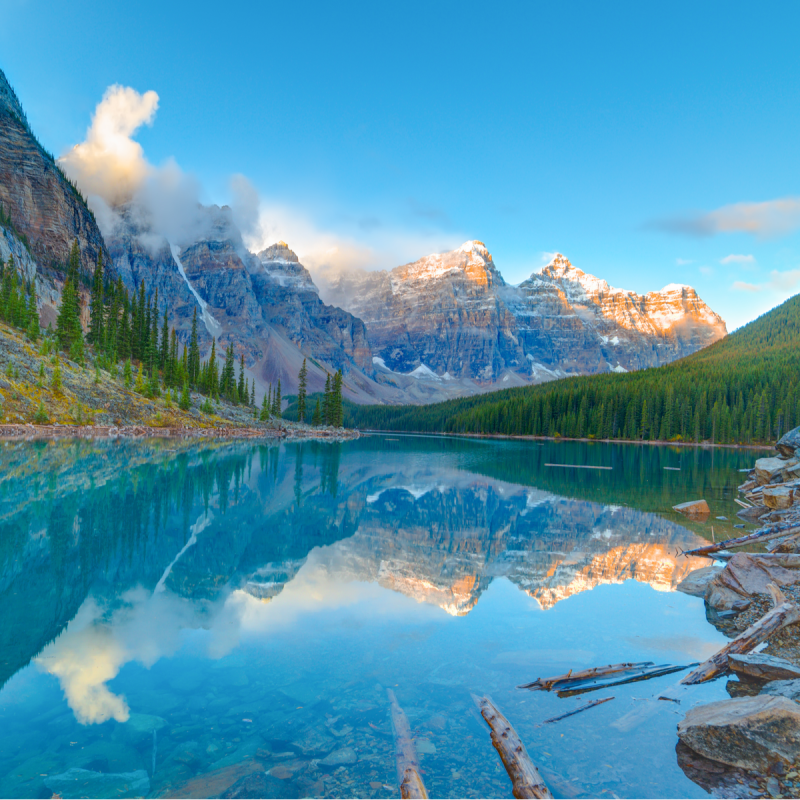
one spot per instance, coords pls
(674, 287)
(475, 247)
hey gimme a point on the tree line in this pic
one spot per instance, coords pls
(740, 390)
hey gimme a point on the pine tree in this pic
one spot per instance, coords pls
(316, 417)
(68, 325)
(163, 355)
(242, 388)
(186, 400)
(264, 409)
(253, 393)
(139, 386)
(276, 401)
(55, 381)
(33, 316)
(193, 362)
(326, 401)
(337, 415)
(127, 375)
(301, 393)
(96, 304)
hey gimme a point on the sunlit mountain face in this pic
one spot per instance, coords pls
(118, 556)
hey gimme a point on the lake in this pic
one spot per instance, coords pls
(177, 615)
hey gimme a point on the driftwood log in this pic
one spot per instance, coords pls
(761, 535)
(783, 613)
(411, 784)
(571, 678)
(525, 778)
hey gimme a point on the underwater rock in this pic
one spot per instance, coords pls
(259, 784)
(696, 509)
(345, 755)
(86, 783)
(139, 728)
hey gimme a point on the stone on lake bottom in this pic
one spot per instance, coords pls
(763, 666)
(750, 733)
(258, 784)
(77, 782)
(345, 755)
(694, 508)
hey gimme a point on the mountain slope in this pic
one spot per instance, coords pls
(452, 316)
(44, 206)
(744, 388)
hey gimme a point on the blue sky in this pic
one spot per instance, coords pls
(637, 139)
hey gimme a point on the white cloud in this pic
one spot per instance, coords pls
(707, 270)
(763, 220)
(782, 282)
(109, 163)
(681, 262)
(733, 258)
(545, 258)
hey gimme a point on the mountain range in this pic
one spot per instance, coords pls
(445, 326)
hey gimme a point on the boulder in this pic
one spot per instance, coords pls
(744, 575)
(259, 784)
(763, 667)
(694, 508)
(87, 783)
(789, 442)
(139, 728)
(696, 582)
(770, 470)
(790, 689)
(778, 497)
(751, 733)
(752, 514)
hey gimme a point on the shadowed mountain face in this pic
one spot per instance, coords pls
(94, 520)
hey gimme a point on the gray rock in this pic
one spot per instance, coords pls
(696, 582)
(788, 688)
(745, 732)
(744, 575)
(346, 755)
(763, 667)
(85, 783)
(770, 470)
(789, 442)
(259, 784)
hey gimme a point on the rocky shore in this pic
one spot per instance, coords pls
(288, 431)
(749, 745)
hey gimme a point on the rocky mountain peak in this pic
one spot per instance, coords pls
(279, 251)
(9, 100)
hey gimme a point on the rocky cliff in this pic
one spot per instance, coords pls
(44, 207)
(452, 317)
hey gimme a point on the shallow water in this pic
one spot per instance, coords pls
(187, 614)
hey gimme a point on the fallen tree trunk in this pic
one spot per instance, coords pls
(584, 707)
(525, 778)
(411, 784)
(636, 676)
(761, 535)
(783, 613)
(571, 677)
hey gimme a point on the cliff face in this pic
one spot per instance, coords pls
(42, 204)
(452, 316)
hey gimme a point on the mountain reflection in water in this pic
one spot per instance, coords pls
(123, 555)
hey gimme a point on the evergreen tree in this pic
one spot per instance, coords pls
(326, 401)
(253, 393)
(264, 409)
(68, 324)
(242, 388)
(127, 374)
(163, 355)
(337, 415)
(301, 393)
(33, 316)
(96, 304)
(193, 362)
(316, 417)
(276, 401)
(186, 400)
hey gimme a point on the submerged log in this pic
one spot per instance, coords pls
(525, 778)
(783, 613)
(584, 707)
(761, 535)
(547, 684)
(411, 784)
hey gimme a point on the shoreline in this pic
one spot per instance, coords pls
(28, 431)
(530, 437)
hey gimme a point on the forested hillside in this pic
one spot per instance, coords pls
(742, 389)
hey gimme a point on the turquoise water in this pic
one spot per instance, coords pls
(178, 616)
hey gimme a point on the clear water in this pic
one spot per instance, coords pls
(195, 613)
